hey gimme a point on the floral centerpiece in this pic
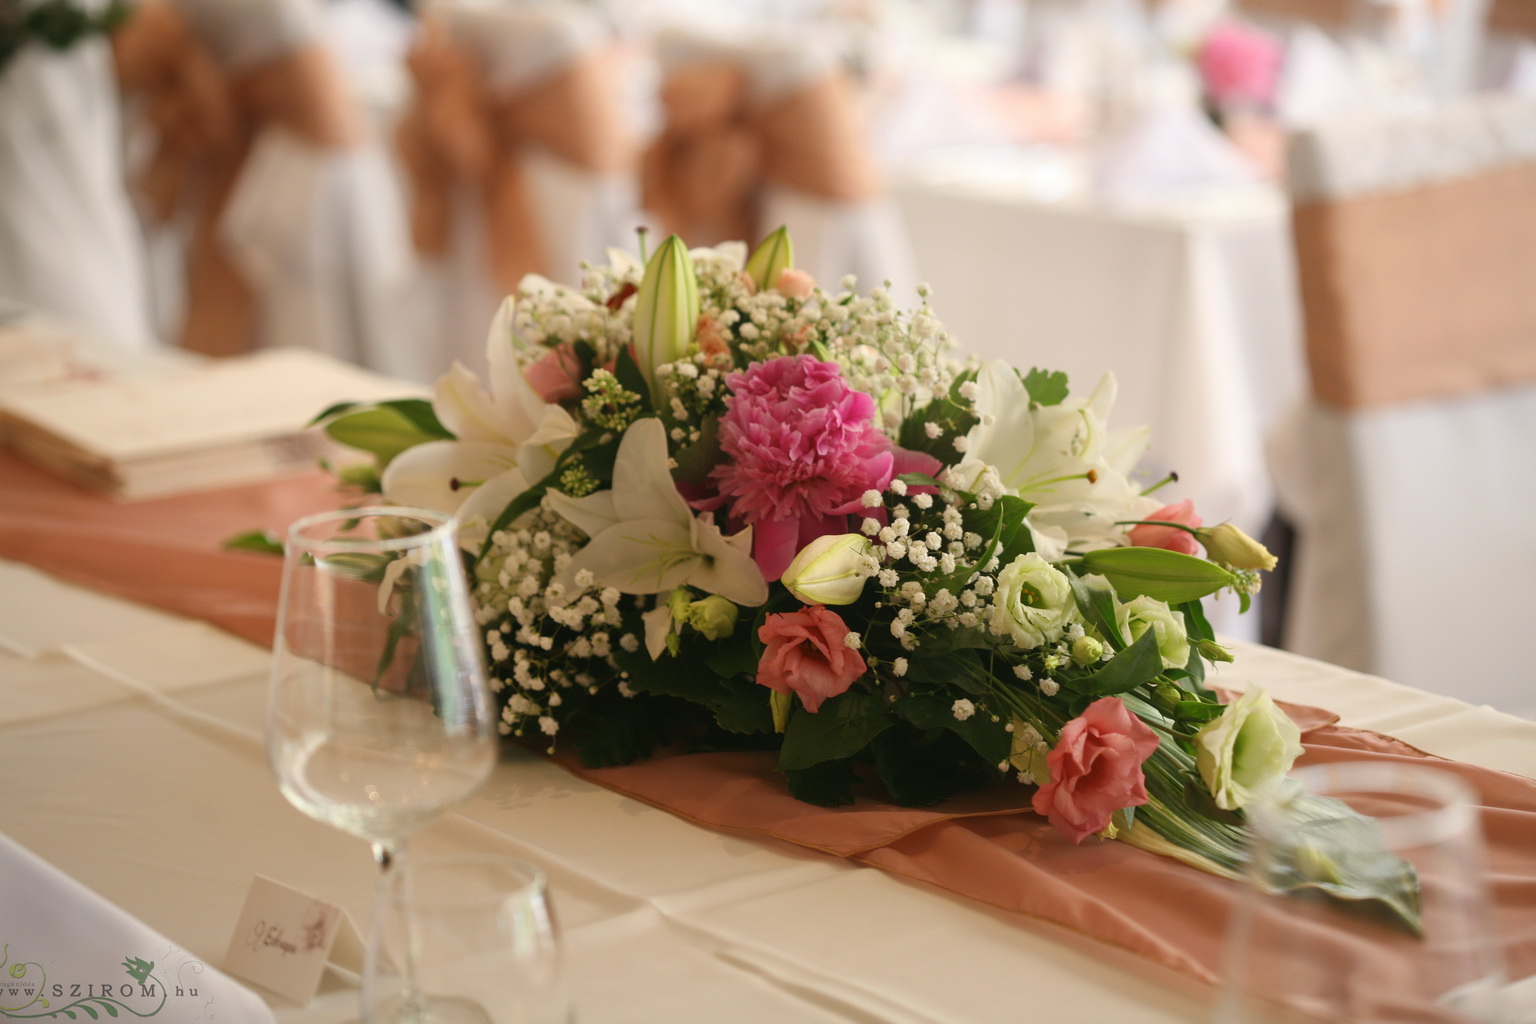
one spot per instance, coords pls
(707, 502)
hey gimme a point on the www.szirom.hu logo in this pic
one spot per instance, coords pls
(26, 992)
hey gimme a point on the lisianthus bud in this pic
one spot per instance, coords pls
(828, 570)
(1230, 546)
(773, 256)
(1086, 650)
(1250, 747)
(714, 616)
(666, 311)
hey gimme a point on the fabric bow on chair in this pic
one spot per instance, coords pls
(470, 130)
(207, 112)
(737, 121)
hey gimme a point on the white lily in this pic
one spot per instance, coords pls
(645, 539)
(1046, 455)
(507, 437)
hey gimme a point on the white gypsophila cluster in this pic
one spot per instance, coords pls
(548, 646)
(548, 315)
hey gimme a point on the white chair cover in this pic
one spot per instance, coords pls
(68, 241)
(1415, 551)
(580, 213)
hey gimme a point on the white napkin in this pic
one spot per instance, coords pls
(1170, 148)
(1521, 80)
(69, 949)
(1320, 80)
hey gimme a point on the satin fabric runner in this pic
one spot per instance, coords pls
(459, 133)
(703, 175)
(1396, 306)
(206, 117)
(983, 846)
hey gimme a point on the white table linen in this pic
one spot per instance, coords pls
(125, 720)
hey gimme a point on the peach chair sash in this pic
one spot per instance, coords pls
(1416, 245)
(736, 122)
(1515, 17)
(206, 115)
(470, 124)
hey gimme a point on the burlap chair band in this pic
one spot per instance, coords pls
(460, 133)
(206, 117)
(704, 174)
(1420, 294)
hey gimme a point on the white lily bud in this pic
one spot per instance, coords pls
(773, 256)
(666, 311)
(826, 571)
(1228, 545)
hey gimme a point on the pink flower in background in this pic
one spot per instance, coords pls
(796, 284)
(710, 337)
(1170, 537)
(805, 653)
(800, 450)
(556, 375)
(1239, 65)
(1095, 769)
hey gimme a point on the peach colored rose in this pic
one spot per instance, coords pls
(710, 337)
(556, 375)
(796, 284)
(1170, 537)
(806, 654)
(1095, 769)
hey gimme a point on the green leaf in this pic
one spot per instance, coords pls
(263, 542)
(1164, 575)
(741, 706)
(734, 658)
(379, 430)
(953, 416)
(420, 412)
(1097, 605)
(841, 728)
(627, 371)
(106, 1005)
(828, 784)
(960, 668)
(1195, 623)
(1046, 387)
(1137, 664)
(923, 767)
(696, 460)
(1197, 711)
(989, 739)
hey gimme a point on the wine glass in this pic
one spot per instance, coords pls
(379, 716)
(1347, 830)
(482, 929)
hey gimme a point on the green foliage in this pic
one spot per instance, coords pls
(385, 429)
(842, 727)
(991, 740)
(953, 416)
(828, 784)
(923, 767)
(1138, 664)
(1097, 605)
(1164, 575)
(1046, 387)
(263, 542)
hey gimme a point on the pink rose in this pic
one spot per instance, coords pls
(710, 337)
(1170, 537)
(556, 376)
(1240, 65)
(796, 284)
(1096, 769)
(805, 654)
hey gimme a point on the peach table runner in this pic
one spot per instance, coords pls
(166, 553)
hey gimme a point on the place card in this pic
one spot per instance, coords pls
(286, 937)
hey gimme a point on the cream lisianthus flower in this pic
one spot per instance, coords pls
(1144, 613)
(644, 538)
(1033, 603)
(1063, 458)
(505, 439)
(1249, 748)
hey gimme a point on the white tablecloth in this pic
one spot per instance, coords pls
(131, 758)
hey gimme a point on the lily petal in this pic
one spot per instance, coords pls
(464, 407)
(485, 504)
(591, 515)
(442, 475)
(638, 556)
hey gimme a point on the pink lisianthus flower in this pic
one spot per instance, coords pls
(805, 653)
(556, 375)
(801, 449)
(1170, 537)
(1096, 769)
(1239, 65)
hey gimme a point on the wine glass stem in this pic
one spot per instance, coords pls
(390, 857)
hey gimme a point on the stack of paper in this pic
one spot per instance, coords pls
(210, 425)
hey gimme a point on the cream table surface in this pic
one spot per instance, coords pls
(131, 758)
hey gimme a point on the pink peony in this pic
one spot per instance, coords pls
(796, 284)
(1170, 537)
(801, 448)
(1240, 65)
(556, 376)
(1096, 769)
(805, 654)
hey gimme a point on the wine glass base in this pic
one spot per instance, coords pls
(431, 1010)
